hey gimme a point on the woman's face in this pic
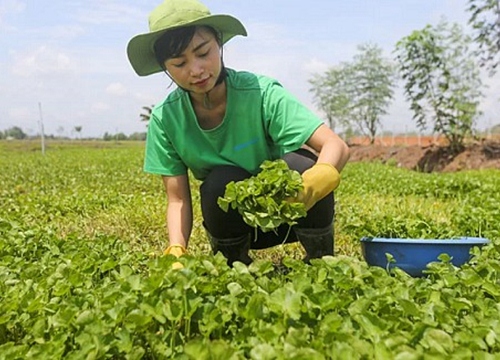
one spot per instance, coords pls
(198, 67)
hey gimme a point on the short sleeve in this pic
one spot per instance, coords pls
(289, 123)
(161, 158)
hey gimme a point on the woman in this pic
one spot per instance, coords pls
(221, 125)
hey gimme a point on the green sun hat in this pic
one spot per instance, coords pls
(172, 14)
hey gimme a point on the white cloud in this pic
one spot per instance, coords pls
(268, 33)
(20, 114)
(10, 7)
(99, 107)
(117, 89)
(115, 12)
(271, 36)
(315, 66)
(58, 32)
(147, 98)
(43, 61)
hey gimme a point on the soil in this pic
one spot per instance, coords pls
(434, 157)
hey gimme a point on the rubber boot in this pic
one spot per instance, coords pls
(316, 242)
(233, 249)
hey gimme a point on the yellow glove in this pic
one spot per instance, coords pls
(177, 251)
(318, 181)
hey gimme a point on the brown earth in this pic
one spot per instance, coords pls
(430, 157)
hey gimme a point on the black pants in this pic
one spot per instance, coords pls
(226, 225)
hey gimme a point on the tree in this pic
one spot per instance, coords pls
(78, 130)
(442, 80)
(15, 132)
(485, 20)
(120, 136)
(137, 136)
(356, 94)
(331, 94)
(107, 136)
(116, 137)
(373, 82)
(145, 116)
(60, 131)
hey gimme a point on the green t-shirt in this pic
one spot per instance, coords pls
(262, 122)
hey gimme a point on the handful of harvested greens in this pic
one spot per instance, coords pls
(262, 199)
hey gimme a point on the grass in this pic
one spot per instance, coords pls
(94, 188)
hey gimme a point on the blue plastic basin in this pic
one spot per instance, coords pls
(413, 255)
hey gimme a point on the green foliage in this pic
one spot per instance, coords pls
(262, 200)
(137, 136)
(14, 132)
(404, 204)
(116, 137)
(485, 20)
(356, 94)
(146, 115)
(77, 280)
(72, 298)
(331, 94)
(442, 80)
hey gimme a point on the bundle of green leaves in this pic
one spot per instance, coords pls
(264, 199)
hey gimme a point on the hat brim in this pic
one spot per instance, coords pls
(140, 49)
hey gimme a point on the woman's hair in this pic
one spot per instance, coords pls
(174, 42)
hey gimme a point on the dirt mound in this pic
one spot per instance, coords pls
(431, 158)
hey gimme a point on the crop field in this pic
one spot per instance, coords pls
(82, 276)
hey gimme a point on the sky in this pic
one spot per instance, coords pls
(68, 59)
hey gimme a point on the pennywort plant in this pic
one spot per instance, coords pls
(263, 199)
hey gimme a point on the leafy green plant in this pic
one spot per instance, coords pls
(77, 280)
(484, 20)
(442, 80)
(356, 94)
(262, 199)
